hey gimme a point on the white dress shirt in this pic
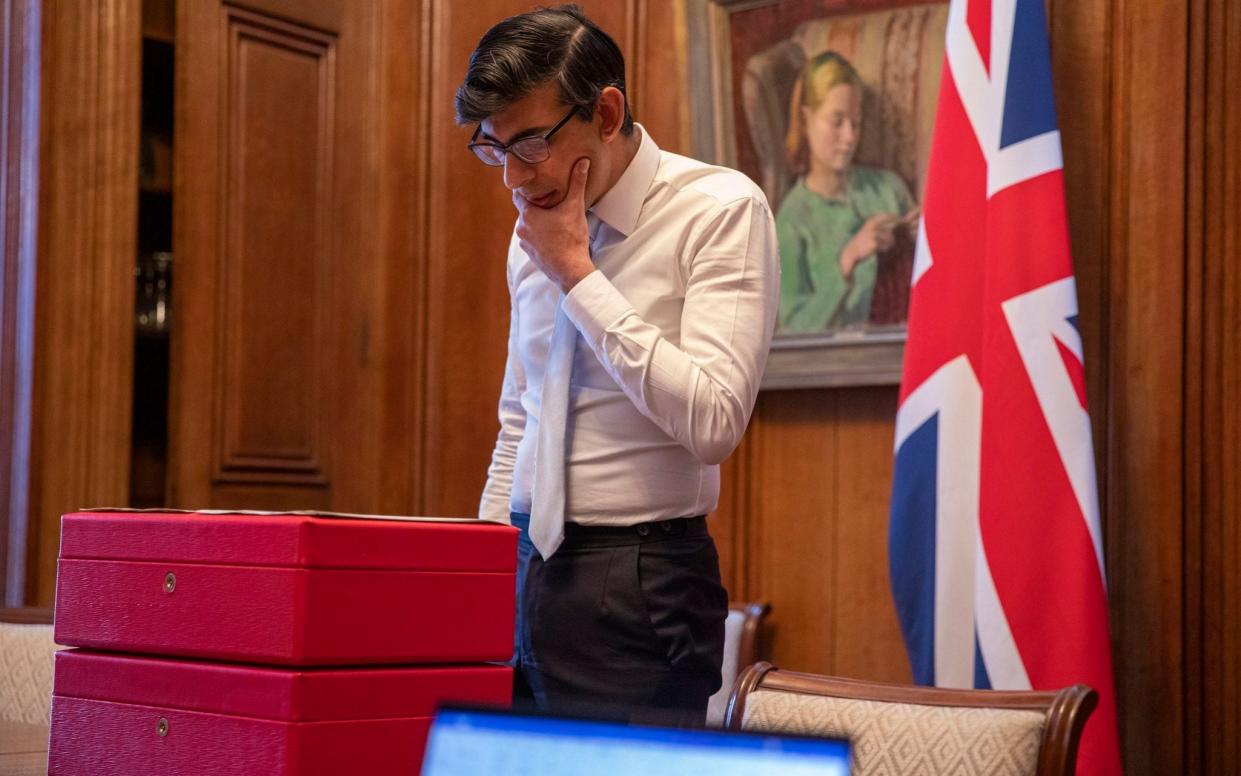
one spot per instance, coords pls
(673, 330)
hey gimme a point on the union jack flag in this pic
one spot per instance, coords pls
(996, 552)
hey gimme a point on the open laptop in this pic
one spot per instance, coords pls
(467, 742)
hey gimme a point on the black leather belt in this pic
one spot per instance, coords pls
(655, 531)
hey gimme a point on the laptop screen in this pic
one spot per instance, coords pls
(468, 742)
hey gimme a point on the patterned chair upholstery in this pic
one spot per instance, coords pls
(741, 643)
(26, 659)
(897, 729)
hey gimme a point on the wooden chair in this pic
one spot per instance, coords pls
(26, 660)
(742, 631)
(909, 729)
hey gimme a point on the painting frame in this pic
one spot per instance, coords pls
(873, 356)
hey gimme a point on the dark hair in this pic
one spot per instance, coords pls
(526, 51)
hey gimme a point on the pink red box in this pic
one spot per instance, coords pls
(140, 716)
(287, 589)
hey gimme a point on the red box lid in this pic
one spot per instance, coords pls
(286, 694)
(295, 539)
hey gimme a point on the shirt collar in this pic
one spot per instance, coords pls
(621, 205)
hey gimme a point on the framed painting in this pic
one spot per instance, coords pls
(829, 106)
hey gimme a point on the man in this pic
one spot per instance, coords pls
(644, 290)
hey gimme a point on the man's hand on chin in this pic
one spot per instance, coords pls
(556, 238)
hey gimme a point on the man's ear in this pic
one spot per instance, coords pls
(611, 110)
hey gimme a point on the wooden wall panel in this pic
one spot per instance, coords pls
(1202, 376)
(868, 640)
(275, 305)
(793, 510)
(813, 517)
(661, 61)
(85, 289)
(1213, 420)
(398, 336)
(1146, 320)
(276, 386)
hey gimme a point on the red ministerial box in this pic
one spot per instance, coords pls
(121, 714)
(297, 589)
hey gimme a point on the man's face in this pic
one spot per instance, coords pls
(546, 183)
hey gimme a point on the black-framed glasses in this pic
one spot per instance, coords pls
(531, 149)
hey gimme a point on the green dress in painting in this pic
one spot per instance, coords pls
(813, 230)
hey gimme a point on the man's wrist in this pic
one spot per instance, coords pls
(575, 273)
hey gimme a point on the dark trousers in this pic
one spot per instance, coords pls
(622, 623)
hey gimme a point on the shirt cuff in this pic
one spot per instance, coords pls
(594, 305)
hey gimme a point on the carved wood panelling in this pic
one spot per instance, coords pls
(275, 305)
(279, 358)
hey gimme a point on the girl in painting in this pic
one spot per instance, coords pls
(838, 216)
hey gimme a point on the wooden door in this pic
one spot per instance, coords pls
(274, 387)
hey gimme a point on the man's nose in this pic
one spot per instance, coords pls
(516, 172)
